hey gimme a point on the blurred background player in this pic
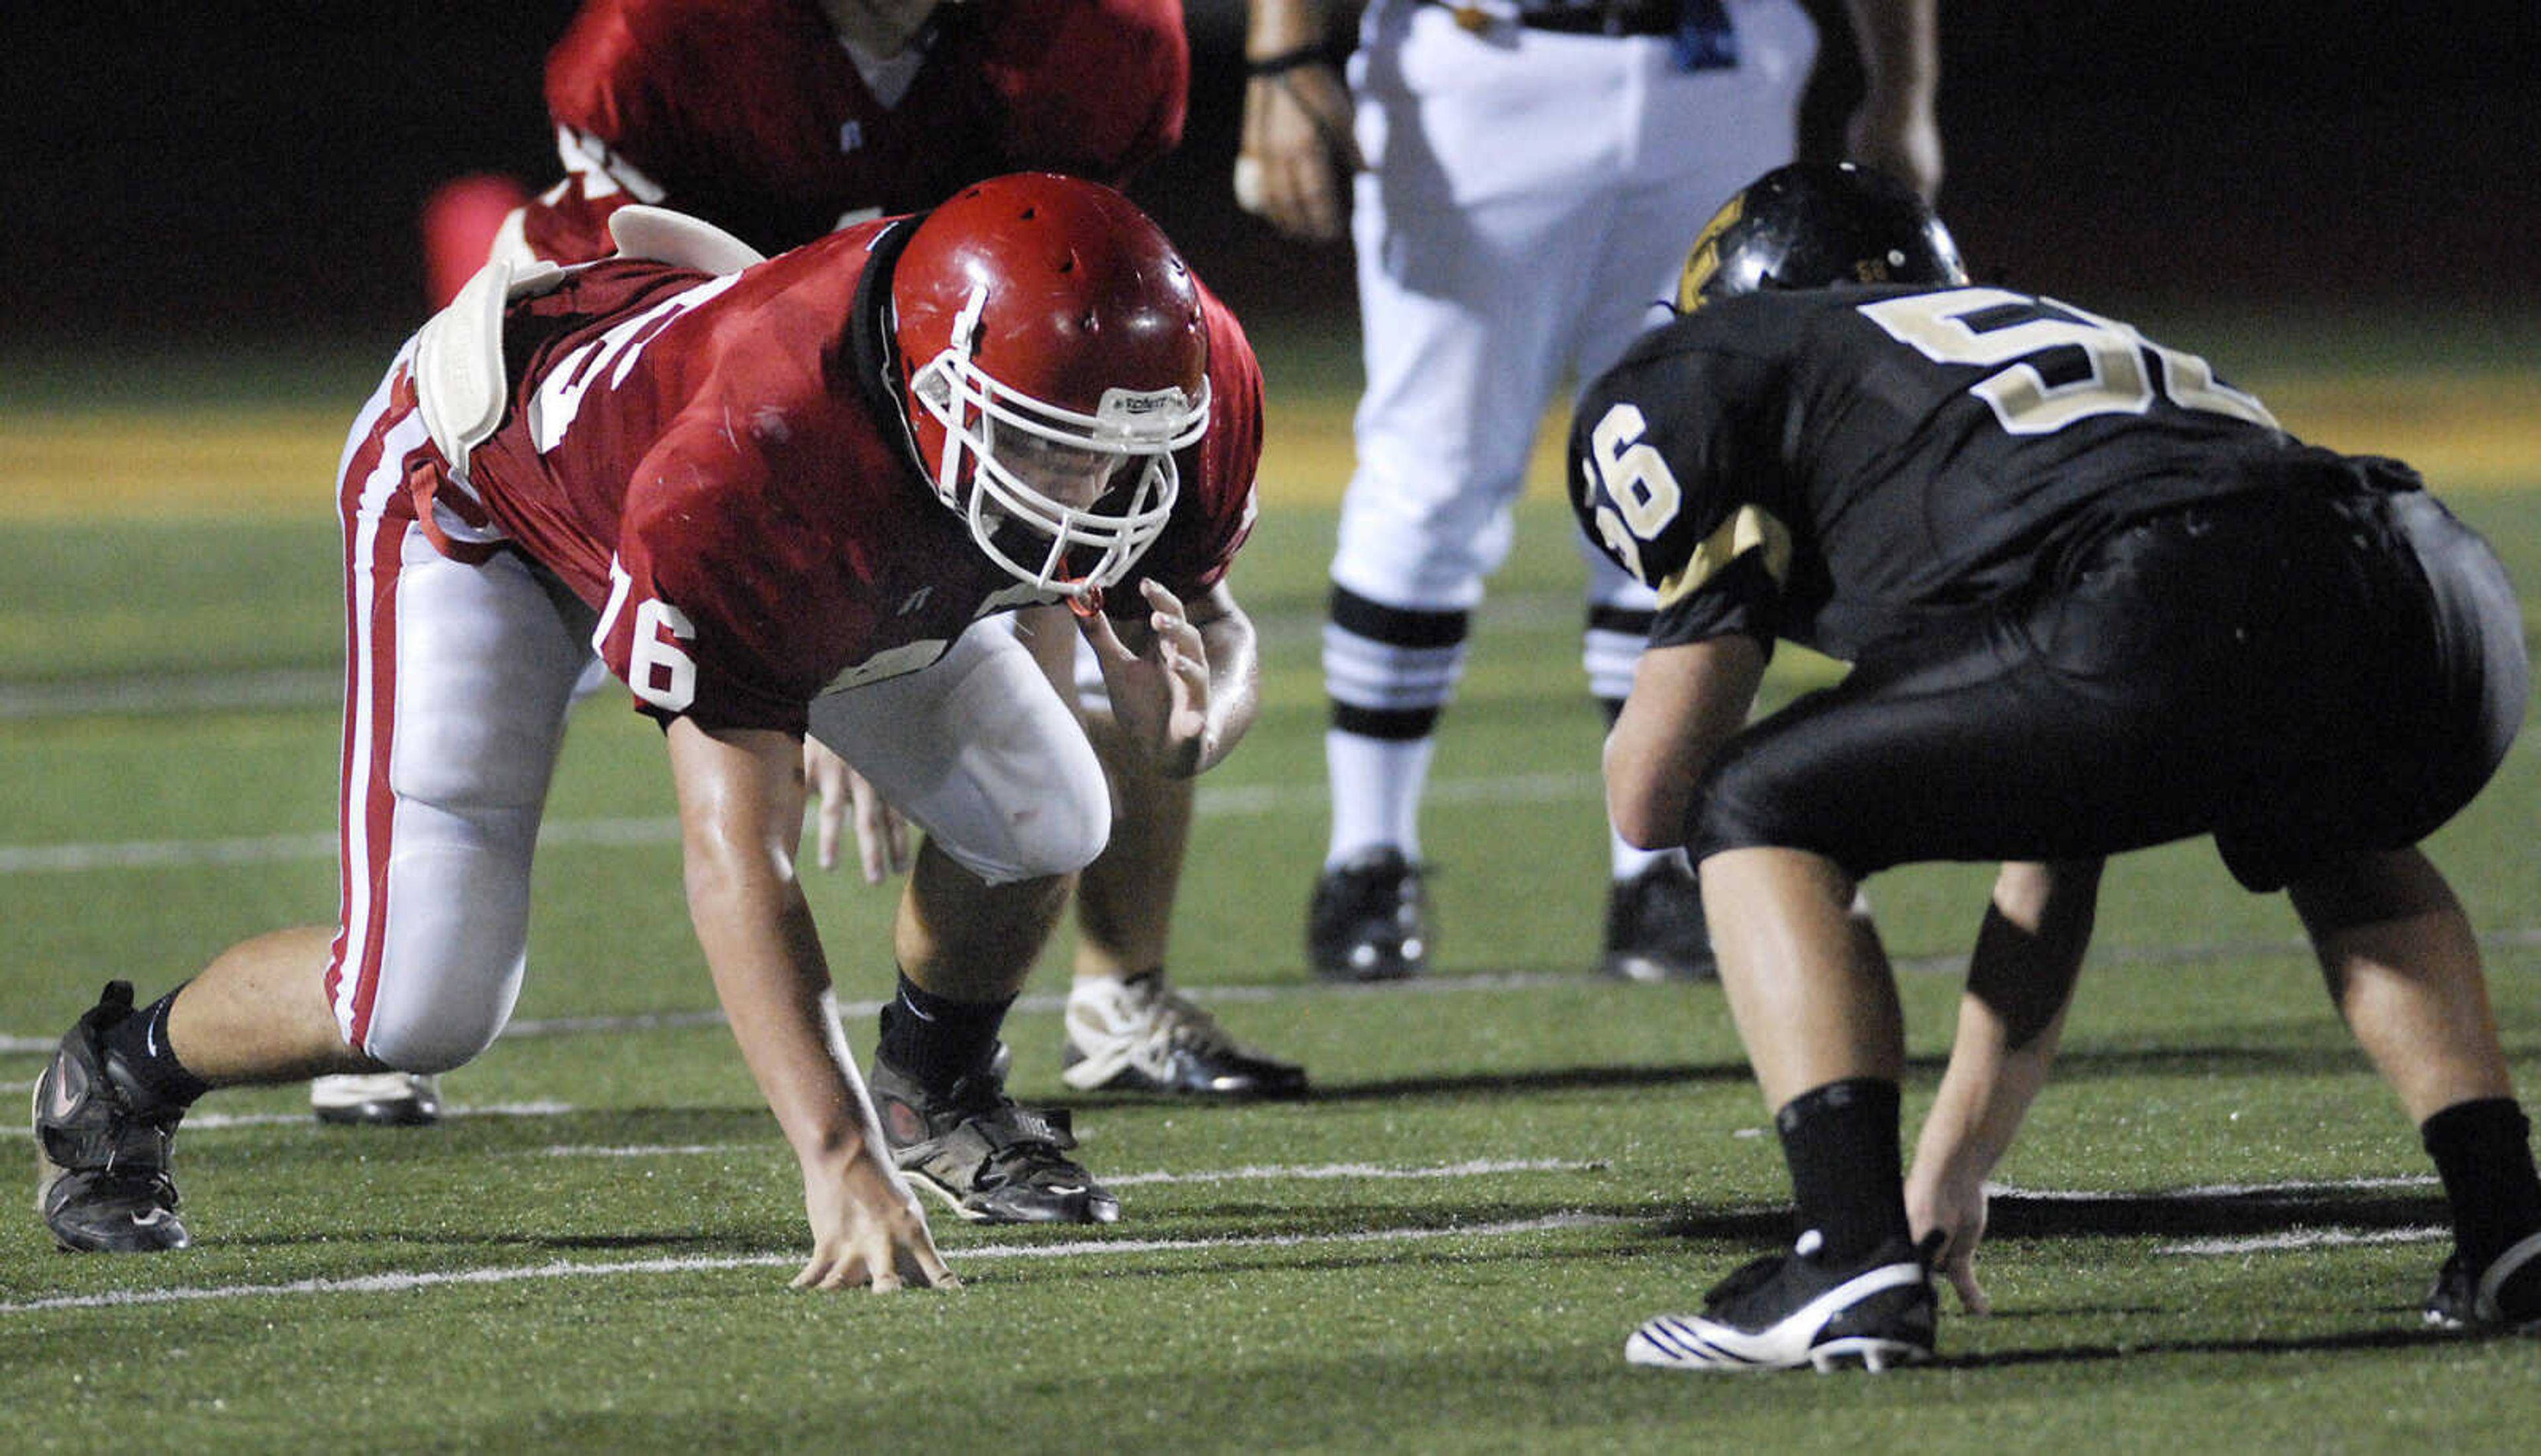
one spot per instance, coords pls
(947, 417)
(780, 120)
(1527, 172)
(2095, 599)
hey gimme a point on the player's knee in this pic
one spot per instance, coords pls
(1739, 808)
(455, 948)
(451, 1035)
(1058, 832)
(459, 764)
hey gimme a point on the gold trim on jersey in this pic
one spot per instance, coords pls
(1748, 528)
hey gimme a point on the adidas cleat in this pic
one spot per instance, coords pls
(2506, 1295)
(1788, 1310)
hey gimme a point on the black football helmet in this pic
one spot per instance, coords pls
(1814, 224)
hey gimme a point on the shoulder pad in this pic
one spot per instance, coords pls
(660, 235)
(458, 381)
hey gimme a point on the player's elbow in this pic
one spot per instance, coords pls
(1643, 830)
(1646, 808)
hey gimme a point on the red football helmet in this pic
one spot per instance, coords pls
(1051, 336)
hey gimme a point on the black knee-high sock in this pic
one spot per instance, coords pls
(939, 1041)
(1841, 1142)
(139, 1046)
(2483, 1151)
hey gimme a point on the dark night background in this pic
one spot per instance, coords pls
(202, 174)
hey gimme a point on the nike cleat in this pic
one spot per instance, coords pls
(102, 1148)
(991, 1160)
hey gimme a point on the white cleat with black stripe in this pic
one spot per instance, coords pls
(1784, 1311)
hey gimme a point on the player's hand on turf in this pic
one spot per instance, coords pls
(882, 836)
(1160, 692)
(867, 1231)
(1298, 153)
(1956, 1208)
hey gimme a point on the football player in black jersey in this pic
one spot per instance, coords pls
(2094, 599)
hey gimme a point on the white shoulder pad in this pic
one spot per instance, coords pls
(661, 235)
(460, 386)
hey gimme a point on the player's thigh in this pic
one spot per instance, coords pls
(456, 703)
(1491, 161)
(1978, 750)
(980, 751)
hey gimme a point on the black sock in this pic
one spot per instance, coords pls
(939, 1041)
(1840, 1141)
(137, 1046)
(2483, 1151)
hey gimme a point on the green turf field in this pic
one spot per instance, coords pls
(2216, 1233)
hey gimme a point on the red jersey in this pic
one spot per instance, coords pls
(756, 116)
(718, 466)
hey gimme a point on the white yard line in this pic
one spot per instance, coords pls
(1235, 800)
(392, 1283)
(1308, 1173)
(2305, 1238)
(2294, 1188)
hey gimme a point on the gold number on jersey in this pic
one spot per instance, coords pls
(1950, 329)
(1642, 491)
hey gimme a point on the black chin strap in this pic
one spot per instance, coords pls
(881, 373)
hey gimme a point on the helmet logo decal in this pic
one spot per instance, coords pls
(1703, 260)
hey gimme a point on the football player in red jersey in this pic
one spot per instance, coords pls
(780, 120)
(793, 491)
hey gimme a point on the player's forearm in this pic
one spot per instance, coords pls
(1985, 1096)
(1276, 28)
(1687, 701)
(1900, 46)
(764, 956)
(2020, 984)
(741, 812)
(1234, 685)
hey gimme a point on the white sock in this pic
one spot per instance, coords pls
(1376, 786)
(1629, 860)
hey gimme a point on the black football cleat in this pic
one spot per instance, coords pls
(102, 1148)
(1786, 1312)
(991, 1160)
(2505, 1296)
(1369, 919)
(1654, 926)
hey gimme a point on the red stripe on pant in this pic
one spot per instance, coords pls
(370, 682)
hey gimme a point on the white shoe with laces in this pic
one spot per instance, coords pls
(386, 1099)
(1138, 1036)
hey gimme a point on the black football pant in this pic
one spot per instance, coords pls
(2301, 674)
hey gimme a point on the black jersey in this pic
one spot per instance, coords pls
(1834, 466)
